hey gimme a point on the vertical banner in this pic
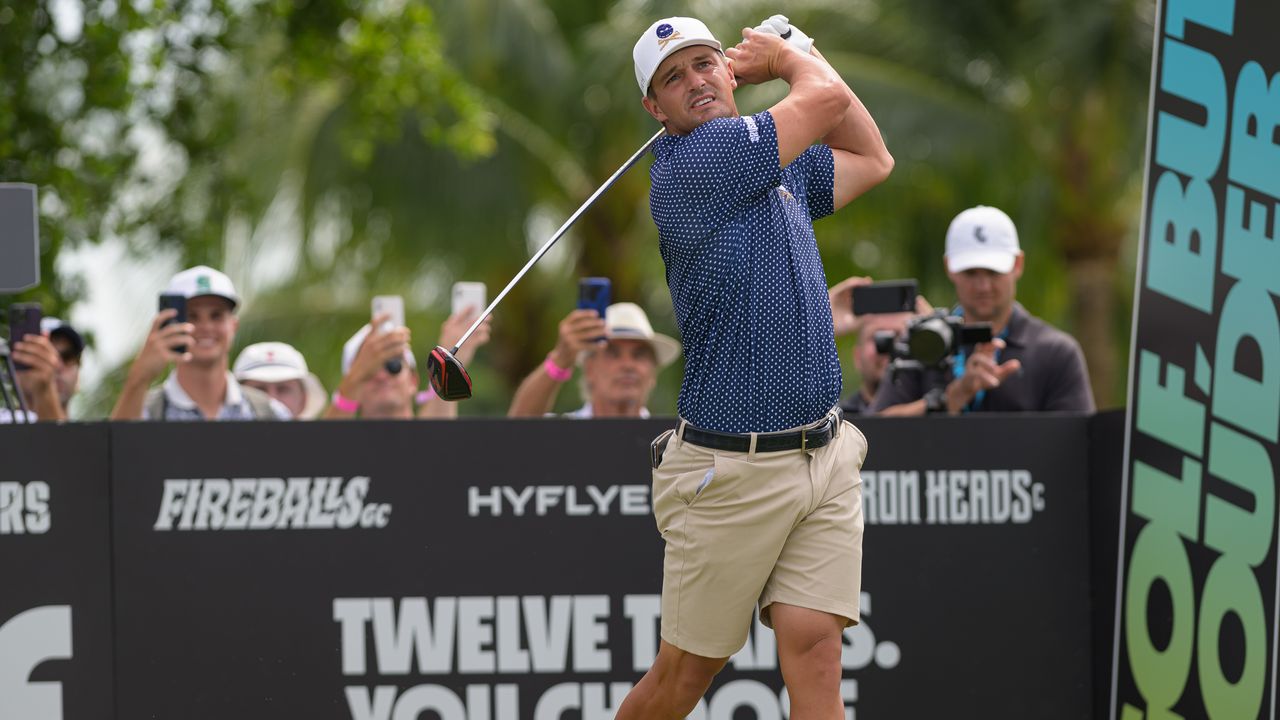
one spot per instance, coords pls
(1197, 585)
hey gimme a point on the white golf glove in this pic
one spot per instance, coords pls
(779, 25)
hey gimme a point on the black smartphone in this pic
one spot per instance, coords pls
(24, 319)
(593, 294)
(179, 303)
(890, 296)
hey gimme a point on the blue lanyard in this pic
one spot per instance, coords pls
(958, 367)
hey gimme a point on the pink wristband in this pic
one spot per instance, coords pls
(555, 372)
(343, 403)
(425, 396)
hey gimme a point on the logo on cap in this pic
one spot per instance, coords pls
(202, 283)
(667, 35)
(979, 234)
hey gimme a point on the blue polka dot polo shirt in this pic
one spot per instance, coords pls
(750, 296)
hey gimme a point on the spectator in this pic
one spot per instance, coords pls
(280, 371)
(618, 371)
(871, 365)
(38, 381)
(368, 390)
(200, 387)
(70, 346)
(1029, 366)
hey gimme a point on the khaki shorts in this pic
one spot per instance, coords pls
(743, 529)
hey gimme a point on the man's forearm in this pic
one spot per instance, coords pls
(815, 83)
(132, 397)
(535, 396)
(915, 408)
(46, 404)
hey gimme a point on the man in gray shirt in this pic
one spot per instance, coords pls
(1028, 366)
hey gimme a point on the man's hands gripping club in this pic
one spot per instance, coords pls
(779, 25)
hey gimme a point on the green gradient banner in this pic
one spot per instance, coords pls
(1197, 594)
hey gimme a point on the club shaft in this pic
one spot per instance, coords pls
(558, 234)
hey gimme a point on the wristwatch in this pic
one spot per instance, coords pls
(935, 401)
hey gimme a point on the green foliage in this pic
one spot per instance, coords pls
(324, 151)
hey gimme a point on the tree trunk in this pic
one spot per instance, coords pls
(1093, 308)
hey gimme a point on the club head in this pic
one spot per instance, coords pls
(448, 378)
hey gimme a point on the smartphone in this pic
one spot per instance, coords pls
(468, 295)
(392, 305)
(179, 303)
(890, 296)
(593, 294)
(24, 319)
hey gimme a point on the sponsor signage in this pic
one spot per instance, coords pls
(1197, 594)
(55, 582)
(499, 570)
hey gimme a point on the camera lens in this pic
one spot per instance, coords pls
(930, 341)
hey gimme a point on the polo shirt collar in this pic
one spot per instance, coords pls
(1016, 331)
(179, 398)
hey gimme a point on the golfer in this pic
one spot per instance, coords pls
(756, 492)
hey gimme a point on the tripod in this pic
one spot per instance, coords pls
(10, 394)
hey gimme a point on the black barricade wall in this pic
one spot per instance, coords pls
(55, 573)
(493, 570)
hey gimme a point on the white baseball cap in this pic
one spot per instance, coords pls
(273, 362)
(352, 346)
(663, 38)
(982, 237)
(628, 321)
(203, 280)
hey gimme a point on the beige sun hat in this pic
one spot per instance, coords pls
(628, 321)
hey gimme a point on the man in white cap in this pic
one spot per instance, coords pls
(620, 355)
(279, 370)
(201, 387)
(1028, 366)
(756, 492)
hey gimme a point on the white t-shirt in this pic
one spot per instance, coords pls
(586, 413)
(8, 417)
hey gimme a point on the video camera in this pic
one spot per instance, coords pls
(931, 341)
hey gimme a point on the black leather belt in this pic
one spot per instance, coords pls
(807, 438)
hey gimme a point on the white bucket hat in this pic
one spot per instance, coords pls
(273, 362)
(982, 237)
(628, 321)
(663, 38)
(203, 280)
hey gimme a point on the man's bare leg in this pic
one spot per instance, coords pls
(809, 644)
(672, 687)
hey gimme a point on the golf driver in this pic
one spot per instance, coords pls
(448, 377)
